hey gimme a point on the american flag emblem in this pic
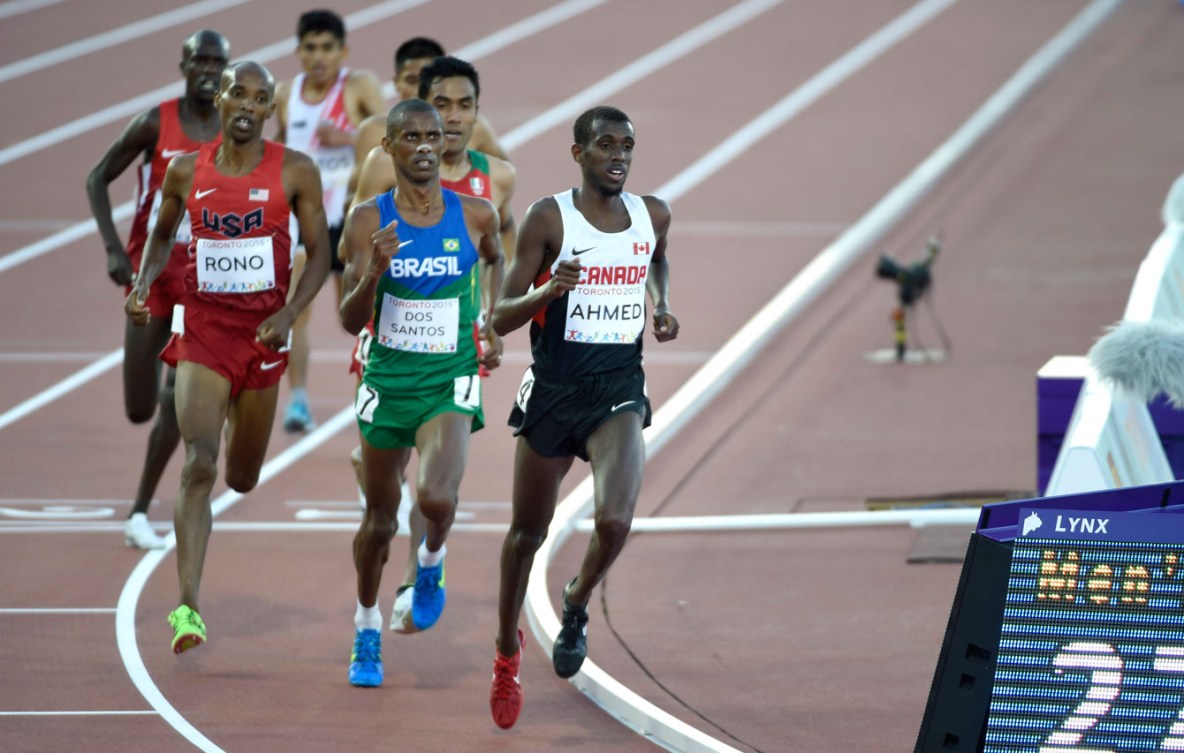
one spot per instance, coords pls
(641, 248)
(259, 194)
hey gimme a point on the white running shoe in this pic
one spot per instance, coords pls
(138, 533)
(401, 621)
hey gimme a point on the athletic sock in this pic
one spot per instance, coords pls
(368, 618)
(300, 395)
(428, 558)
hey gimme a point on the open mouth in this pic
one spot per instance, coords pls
(616, 173)
(242, 123)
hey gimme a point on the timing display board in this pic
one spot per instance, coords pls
(1091, 654)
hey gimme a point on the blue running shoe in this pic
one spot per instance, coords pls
(298, 418)
(365, 664)
(427, 601)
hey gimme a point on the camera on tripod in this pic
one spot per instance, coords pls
(912, 280)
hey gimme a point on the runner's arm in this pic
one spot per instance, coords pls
(370, 134)
(504, 177)
(138, 138)
(174, 191)
(282, 92)
(538, 245)
(367, 254)
(658, 279)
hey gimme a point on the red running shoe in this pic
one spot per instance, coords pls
(505, 697)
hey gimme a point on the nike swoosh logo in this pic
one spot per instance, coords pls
(200, 194)
(170, 153)
(268, 365)
(582, 251)
(620, 405)
(406, 243)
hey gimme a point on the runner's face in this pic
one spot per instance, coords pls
(456, 101)
(407, 79)
(416, 146)
(202, 68)
(244, 104)
(607, 157)
(321, 55)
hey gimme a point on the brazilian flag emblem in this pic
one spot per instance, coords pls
(452, 244)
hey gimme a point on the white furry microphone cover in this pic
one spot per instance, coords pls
(1143, 359)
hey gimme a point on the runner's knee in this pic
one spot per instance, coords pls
(612, 529)
(241, 480)
(201, 468)
(526, 541)
(435, 503)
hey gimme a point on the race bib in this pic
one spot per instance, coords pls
(421, 326)
(237, 266)
(608, 306)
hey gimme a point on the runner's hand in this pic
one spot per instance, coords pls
(134, 307)
(566, 277)
(665, 325)
(384, 244)
(119, 266)
(491, 353)
(273, 332)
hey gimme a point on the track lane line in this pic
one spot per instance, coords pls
(16, 7)
(64, 387)
(126, 33)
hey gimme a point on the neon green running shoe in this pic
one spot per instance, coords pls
(188, 629)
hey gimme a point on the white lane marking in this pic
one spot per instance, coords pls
(725, 228)
(123, 34)
(659, 58)
(16, 7)
(67, 385)
(61, 238)
(78, 713)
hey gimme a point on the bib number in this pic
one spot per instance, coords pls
(236, 266)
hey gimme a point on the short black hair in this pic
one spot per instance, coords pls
(416, 48)
(315, 21)
(582, 130)
(447, 66)
(394, 118)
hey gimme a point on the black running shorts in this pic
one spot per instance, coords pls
(557, 415)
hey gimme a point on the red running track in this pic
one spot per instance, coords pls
(819, 641)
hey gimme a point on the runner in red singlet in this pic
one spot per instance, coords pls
(229, 349)
(171, 128)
